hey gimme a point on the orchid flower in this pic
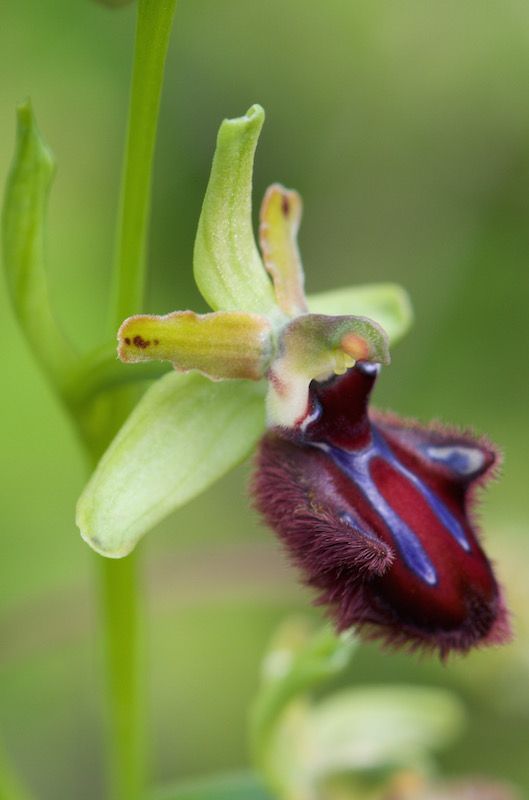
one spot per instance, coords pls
(376, 511)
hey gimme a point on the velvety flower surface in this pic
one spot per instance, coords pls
(378, 514)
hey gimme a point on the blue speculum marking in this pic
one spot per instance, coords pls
(460, 459)
(356, 464)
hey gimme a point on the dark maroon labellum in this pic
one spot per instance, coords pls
(377, 512)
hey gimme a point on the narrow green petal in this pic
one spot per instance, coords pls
(386, 303)
(227, 265)
(225, 344)
(280, 219)
(316, 346)
(23, 237)
(183, 435)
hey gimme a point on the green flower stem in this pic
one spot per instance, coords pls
(152, 39)
(120, 597)
(119, 579)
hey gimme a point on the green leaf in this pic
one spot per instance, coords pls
(227, 265)
(23, 235)
(239, 786)
(183, 435)
(375, 727)
(385, 303)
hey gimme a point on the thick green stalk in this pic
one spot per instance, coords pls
(120, 595)
(121, 606)
(152, 38)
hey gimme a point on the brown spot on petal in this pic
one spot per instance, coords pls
(127, 340)
(140, 342)
(285, 205)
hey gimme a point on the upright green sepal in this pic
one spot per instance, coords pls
(23, 242)
(183, 435)
(227, 265)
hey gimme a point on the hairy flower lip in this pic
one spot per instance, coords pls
(390, 543)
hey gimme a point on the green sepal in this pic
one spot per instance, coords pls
(183, 435)
(221, 345)
(23, 239)
(386, 303)
(227, 266)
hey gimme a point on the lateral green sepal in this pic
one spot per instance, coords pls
(183, 435)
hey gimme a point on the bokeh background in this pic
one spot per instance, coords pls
(406, 128)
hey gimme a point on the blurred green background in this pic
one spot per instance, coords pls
(405, 125)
